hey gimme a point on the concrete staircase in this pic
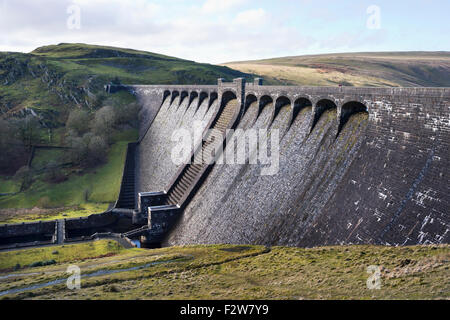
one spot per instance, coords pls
(127, 190)
(184, 183)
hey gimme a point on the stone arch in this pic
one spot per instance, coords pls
(347, 110)
(175, 94)
(165, 95)
(183, 95)
(299, 104)
(264, 101)
(280, 102)
(247, 93)
(212, 97)
(249, 99)
(227, 96)
(192, 96)
(202, 96)
(320, 107)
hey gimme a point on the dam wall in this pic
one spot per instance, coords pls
(356, 165)
(174, 111)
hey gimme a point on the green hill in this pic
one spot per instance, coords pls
(53, 79)
(49, 82)
(406, 69)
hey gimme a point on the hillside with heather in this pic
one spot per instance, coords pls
(370, 69)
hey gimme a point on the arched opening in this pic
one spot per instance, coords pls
(299, 104)
(165, 95)
(321, 107)
(184, 94)
(227, 96)
(348, 109)
(192, 96)
(174, 95)
(264, 101)
(212, 97)
(203, 96)
(249, 99)
(279, 104)
(223, 121)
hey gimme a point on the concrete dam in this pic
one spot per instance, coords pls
(356, 166)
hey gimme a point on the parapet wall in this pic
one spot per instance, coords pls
(25, 229)
(344, 178)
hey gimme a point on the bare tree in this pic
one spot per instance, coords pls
(104, 121)
(78, 121)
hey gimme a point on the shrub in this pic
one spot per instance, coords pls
(89, 150)
(54, 173)
(48, 262)
(78, 121)
(127, 114)
(44, 203)
(42, 263)
(104, 121)
(36, 264)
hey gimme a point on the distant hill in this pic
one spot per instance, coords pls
(53, 79)
(406, 69)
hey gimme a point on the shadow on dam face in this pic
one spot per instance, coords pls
(236, 204)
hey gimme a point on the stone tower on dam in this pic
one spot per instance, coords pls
(356, 165)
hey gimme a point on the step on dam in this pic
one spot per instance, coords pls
(354, 166)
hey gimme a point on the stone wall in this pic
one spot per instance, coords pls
(27, 234)
(25, 229)
(156, 146)
(383, 180)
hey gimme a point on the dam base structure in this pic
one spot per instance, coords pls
(356, 166)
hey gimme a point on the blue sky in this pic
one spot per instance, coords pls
(217, 31)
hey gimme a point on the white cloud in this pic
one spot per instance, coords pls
(251, 17)
(215, 6)
(183, 31)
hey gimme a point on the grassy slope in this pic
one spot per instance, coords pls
(8, 185)
(80, 195)
(244, 272)
(102, 183)
(431, 69)
(61, 254)
(53, 79)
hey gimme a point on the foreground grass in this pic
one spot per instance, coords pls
(36, 214)
(252, 272)
(66, 253)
